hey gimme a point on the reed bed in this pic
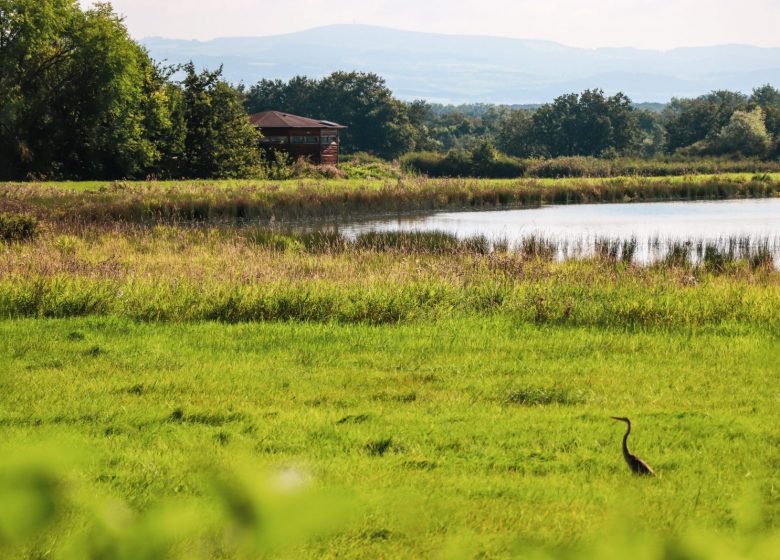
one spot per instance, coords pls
(167, 273)
(285, 201)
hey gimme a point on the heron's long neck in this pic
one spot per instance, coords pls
(625, 440)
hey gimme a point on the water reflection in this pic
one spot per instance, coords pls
(652, 229)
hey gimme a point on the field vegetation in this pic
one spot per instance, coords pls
(186, 386)
(252, 274)
(486, 162)
(292, 200)
(472, 436)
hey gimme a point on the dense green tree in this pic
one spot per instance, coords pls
(652, 133)
(586, 124)
(454, 130)
(297, 96)
(693, 120)
(219, 141)
(33, 49)
(744, 134)
(555, 126)
(80, 97)
(420, 115)
(515, 134)
(463, 127)
(378, 123)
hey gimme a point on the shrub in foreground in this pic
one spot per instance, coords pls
(18, 227)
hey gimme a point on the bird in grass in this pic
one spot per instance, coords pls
(637, 465)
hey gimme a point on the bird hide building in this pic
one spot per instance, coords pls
(301, 137)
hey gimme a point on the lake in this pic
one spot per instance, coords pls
(576, 228)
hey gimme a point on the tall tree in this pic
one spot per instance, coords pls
(586, 124)
(220, 142)
(515, 135)
(77, 91)
(692, 120)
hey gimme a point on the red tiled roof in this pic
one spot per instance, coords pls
(276, 119)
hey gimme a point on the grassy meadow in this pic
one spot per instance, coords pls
(207, 388)
(468, 437)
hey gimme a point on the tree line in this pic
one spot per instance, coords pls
(80, 99)
(586, 124)
(594, 124)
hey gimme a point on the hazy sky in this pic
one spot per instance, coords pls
(658, 24)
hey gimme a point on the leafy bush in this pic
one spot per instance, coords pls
(303, 168)
(457, 163)
(18, 227)
(574, 166)
(578, 166)
(745, 133)
(361, 158)
(361, 165)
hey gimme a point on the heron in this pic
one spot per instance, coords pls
(637, 465)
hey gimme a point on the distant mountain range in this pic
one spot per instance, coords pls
(467, 69)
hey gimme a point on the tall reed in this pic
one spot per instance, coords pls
(166, 273)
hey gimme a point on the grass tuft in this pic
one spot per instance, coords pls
(379, 447)
(544, 396)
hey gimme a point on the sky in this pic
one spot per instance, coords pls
(652, 24)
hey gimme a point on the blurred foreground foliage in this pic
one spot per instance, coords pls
(253, 511)
(50, 511)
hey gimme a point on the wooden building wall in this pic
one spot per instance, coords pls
(316, 144)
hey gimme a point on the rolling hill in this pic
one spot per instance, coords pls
(461, 69)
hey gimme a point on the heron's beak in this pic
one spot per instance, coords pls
(617, 418)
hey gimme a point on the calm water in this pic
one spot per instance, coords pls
(577, 226)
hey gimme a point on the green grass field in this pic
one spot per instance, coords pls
(217, 390)
(468, 437)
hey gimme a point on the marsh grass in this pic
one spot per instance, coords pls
(275, 201)
(538, 247)
(613, 250)
(167, 273)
